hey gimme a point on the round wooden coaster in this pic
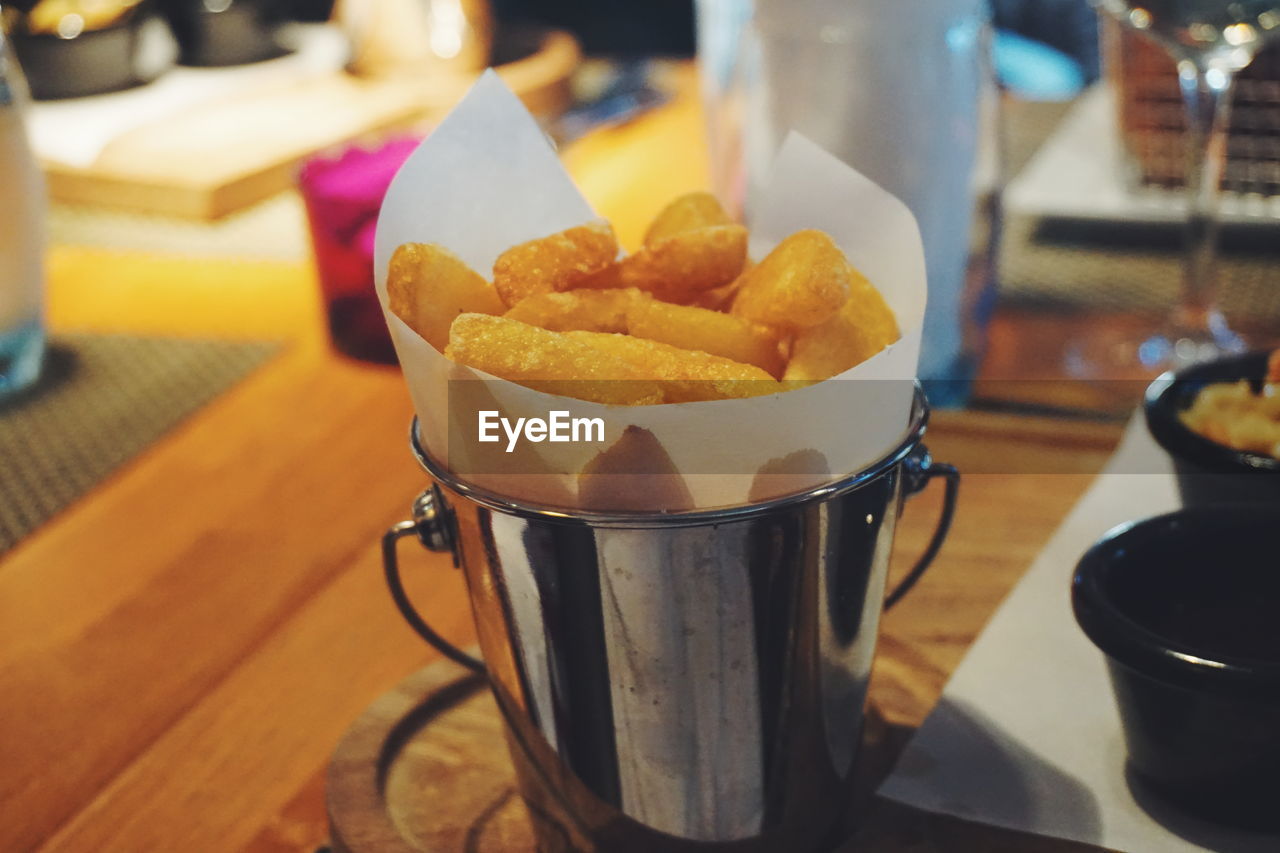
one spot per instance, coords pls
(425, 769)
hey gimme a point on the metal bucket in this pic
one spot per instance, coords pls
(684, 681)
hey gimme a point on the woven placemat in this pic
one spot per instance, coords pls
(1121, 267)
(102, 399)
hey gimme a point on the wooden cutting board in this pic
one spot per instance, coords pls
(218, 157)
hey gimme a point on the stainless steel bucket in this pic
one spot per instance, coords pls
(685, 681)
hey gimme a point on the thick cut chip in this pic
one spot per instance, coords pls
(721, 298)
(562, 261)
(801, 283)
(684, 375)
(549, 361)
(578, 310)
(686, 213)
(862, 327)
(678, 267)
(1273, 367)
(694, 328)
(428, 286)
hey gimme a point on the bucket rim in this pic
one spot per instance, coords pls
(912, 438)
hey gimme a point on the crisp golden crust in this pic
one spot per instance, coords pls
(693, 328)
(684, 375)
(678, 267)
(800, 284)
(560, 261)
(578, 310)
(686, 213)
(862, 327)
(428, 286)
(548, 361)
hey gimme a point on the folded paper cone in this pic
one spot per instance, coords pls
(487, 179)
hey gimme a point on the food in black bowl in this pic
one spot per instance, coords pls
(1186, 607)
(1220, 423)
(69, 49)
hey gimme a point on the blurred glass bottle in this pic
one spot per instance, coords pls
(903, 91)
(22, 215)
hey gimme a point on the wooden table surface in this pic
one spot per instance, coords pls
(182, 648)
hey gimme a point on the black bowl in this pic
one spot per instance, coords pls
(1185, 608)
(225, 32)
(1209, 472)
(129, 52)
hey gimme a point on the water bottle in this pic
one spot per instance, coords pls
(22, 238)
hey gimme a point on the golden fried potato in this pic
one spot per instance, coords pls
(686, 213)
(428, 286)
(553, 362)
(693, 328)
(684, 375)
(582, 310)
(561, 261)
(801, 283)
(862, 327)
(1273, 367)
(678, 267)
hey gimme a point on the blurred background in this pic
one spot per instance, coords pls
(201, 422)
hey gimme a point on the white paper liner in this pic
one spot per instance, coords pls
(487, 179)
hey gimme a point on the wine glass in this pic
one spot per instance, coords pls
(1210, 40)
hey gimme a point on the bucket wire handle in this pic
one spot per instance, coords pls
(434, 530)
(918, 469)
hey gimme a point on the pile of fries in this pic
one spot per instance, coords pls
(1231, 413)
(685, 318)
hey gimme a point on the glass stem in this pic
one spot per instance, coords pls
(1206, 93)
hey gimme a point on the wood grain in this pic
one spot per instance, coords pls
(181, 649)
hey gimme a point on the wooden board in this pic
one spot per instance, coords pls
(218, 157)
(425, 770)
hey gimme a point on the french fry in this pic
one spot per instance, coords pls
(678, 267)
(684, 375)
(1273, 367)
(686, 213)
(561, 261)
(800, 284)
(721, 298)
(428, 286)
(862, 327)
(583, 310)
(553, 362)
(693, 328)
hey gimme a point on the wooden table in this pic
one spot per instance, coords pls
(182, 648)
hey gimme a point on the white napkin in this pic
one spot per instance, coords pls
(1027, 735)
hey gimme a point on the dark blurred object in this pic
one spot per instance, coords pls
(1153, 120)
(343, 195)
(1209, 472)
(1070, 26)
(628, 92)
(225, 32)
(1183, 606)
(76, 60)
(612, 27)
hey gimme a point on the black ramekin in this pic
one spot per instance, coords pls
(1209, 472)
(1202, 726)
(90, 62)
